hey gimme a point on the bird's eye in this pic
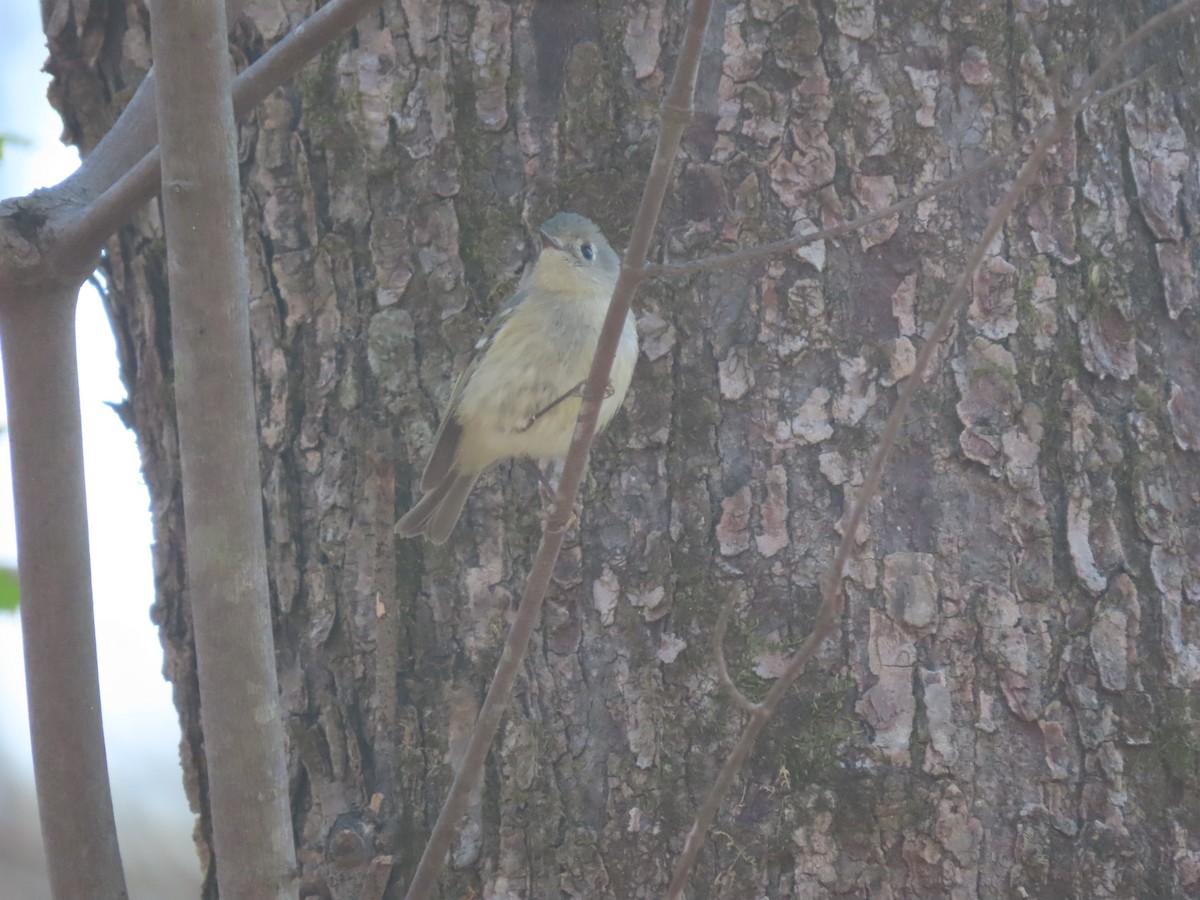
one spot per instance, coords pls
(586, 251)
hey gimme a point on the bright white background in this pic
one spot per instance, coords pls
(140, 724)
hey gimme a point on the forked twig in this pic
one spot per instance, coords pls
(84, 233)
(832, 598)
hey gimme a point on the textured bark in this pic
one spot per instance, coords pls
(1011, 702)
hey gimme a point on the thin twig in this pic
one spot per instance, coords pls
(739, 698)
(677, 109)
(382, 469)
(749, 254)
(762, 251)
(1121, 87)
(832, 597)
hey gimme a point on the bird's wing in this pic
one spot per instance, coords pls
(445, 446)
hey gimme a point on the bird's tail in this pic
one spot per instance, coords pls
(437, 512)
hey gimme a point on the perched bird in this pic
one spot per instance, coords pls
(522, 389)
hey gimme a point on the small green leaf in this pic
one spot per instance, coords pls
(9, 591)
(15, 140)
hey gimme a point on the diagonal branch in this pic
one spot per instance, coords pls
(677, 111)
(84, 233)
(133, 134)
(832, 597)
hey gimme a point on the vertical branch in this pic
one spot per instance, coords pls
(218, 443)
(37, 331)
(677, 112)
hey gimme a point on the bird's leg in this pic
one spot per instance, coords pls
(549, 490)
(546, 487)
(576, 391)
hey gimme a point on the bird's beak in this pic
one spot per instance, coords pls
(549, 242)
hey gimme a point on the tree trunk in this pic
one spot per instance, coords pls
(1010, 706)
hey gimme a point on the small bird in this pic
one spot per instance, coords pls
(521, 391)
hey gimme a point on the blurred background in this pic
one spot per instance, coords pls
(141, 728)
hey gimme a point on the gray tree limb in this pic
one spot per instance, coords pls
(218, 445)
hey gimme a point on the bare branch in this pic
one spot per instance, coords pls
(739, 698)
(382, 467)
(218, 451)
(832, 597)
(133, 135)
(37, 330)
(677, 110)
(129, 139)
(295, 50)
(1108, 93)
(84, 232)
(1110, 62)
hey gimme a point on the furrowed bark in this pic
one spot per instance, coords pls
(832, 597)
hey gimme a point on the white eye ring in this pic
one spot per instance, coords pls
(586, 251)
